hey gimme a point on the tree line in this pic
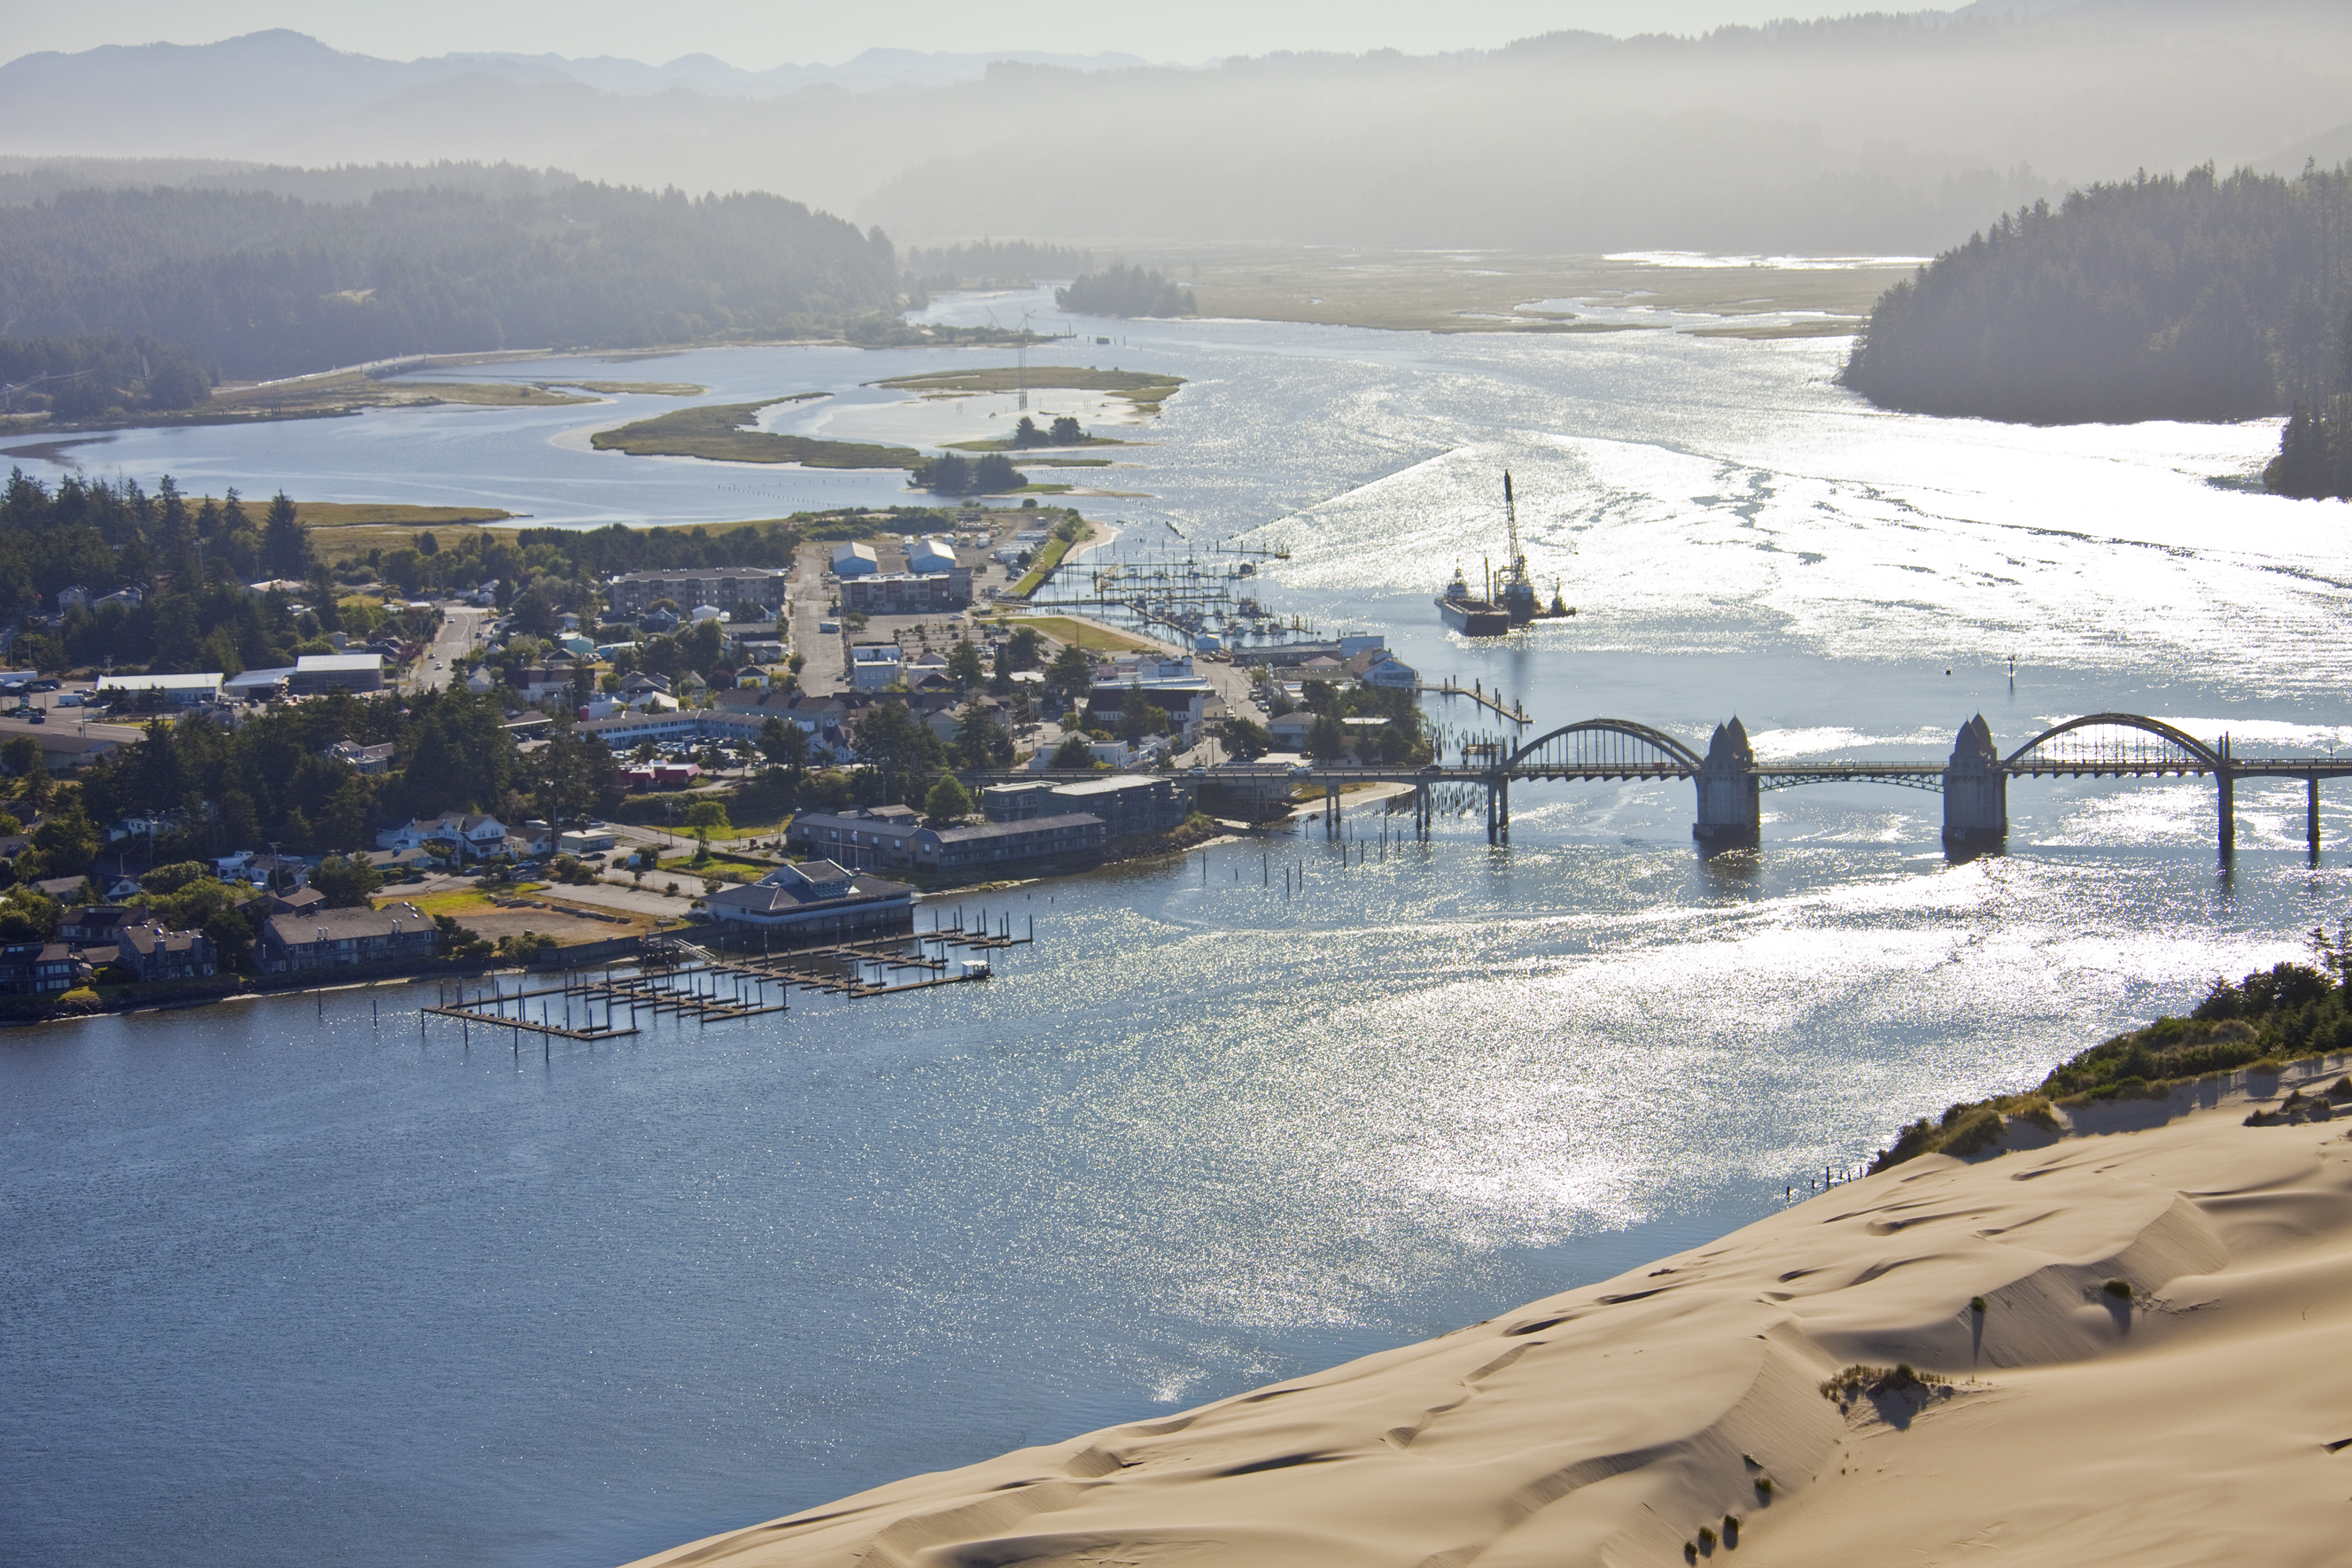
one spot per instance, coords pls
(79, 378)
(2314, 457)
(2193, 297)
(254, 284)
(1123, 290)
(993, 263)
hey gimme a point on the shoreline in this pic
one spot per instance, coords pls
(2121, 1331)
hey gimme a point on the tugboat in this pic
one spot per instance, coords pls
(1510, 599)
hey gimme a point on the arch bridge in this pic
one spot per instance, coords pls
(1973, 780)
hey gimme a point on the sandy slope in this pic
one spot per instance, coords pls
(1610, 1423)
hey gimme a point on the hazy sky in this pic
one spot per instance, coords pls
(761, 33)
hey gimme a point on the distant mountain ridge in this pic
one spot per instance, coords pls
(256, 83)
(1879, 133)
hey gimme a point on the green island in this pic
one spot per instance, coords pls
(324, 397)
(2289, 1013)
(1145, 389)
(715, 431)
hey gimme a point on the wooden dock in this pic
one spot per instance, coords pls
(1490, 700)
(683, 980)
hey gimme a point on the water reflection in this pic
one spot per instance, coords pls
(286, 1290)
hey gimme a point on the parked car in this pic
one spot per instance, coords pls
(43, 685)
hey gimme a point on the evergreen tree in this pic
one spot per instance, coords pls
(285, 544)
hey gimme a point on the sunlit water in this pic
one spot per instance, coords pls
(291, 1286)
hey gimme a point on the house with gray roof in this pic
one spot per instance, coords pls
(816, 897)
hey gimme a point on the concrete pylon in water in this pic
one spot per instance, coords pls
(1975, 789)
(1728, 815)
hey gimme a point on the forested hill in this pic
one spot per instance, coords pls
(262, 285)
(2187, 298)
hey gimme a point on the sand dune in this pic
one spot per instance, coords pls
(2188, 1421)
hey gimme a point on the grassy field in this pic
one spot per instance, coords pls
(372, 514)
(1083, 634)
(477, 913)
(1145, 389)
(719, 864)
(1481, 292)
(458, 903)
(713, 431)
(350, 390)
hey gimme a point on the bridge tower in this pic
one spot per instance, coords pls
(1730, 814)
(1976, 788)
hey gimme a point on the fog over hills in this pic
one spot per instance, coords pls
(1878, 133)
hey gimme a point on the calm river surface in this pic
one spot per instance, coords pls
(289, 1284)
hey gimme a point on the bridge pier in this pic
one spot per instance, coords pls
(1730, 810)
(2228, 803)
(1975, 789)
(2311, 811)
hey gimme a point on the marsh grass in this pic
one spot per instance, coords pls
(715, 431)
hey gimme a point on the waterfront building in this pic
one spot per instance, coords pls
(332, 939)
(895, 838)
(816, 897)
(1128, 804)
(36, 968)
(153, 953)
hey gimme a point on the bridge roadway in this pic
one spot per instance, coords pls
(1973, 781)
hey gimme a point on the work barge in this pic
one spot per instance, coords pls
(708, 983)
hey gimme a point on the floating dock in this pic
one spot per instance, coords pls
(686, 979)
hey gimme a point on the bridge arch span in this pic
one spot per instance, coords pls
(2200, 758)
(1618, 744)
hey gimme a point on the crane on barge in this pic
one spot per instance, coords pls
(1511, 600)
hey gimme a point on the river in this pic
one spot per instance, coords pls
(292, 1282)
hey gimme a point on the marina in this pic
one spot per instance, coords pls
(687, 981)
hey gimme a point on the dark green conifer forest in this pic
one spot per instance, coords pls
(1122, 291)
(2193, 297)
(258, 285)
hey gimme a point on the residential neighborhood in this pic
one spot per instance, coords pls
(501, 743)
